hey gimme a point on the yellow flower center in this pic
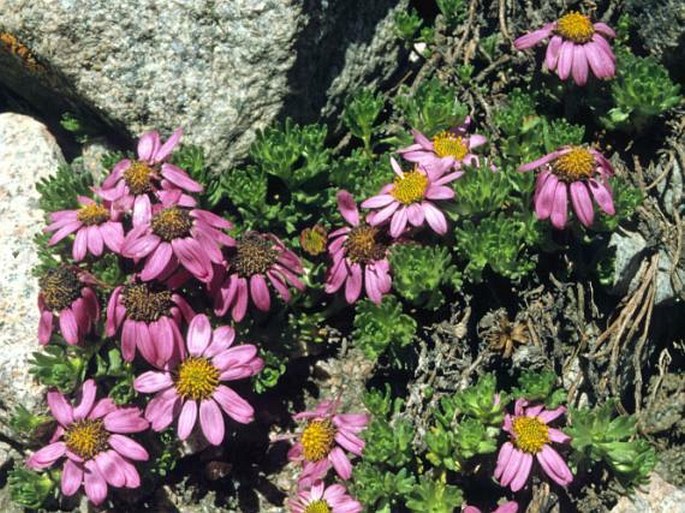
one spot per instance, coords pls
(172, 223)
(447, 144)
(575, 27)
(317, 439)
(254, 255)
(197, 378)
(60, 288)
(313, 240)
(320, 506)
(86, 438)
(92, 214)
(138, 177)
(363, 246)
(531, 434)
(410, 187)
(577, 164)
(144, 304)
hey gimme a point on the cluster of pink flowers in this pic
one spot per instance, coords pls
(359, 252)
(324, 443)
(145, 212)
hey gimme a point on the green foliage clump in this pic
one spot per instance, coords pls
(540, 386)
(58, 366)
(434, 496)
(599, 436)
(361, 174)
(498, 241)
(480, 401)
(420, 271)
(454, 11)
(431, 108)
(482, 189)
(407, 24)
(31, 489)
(360, 114)
(24, 423)
(60, 191)
(641, 92)
(112, 367)
(382, 477)
(274, 368)
(381, 327)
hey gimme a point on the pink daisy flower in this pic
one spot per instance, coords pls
(130, 182)
(507, 507)
(65, 291)
(258, 259)
(449, 149)
(92, 439)
(409, 200)
(191, 384)
(151, 320)
(174, 236)
(360, 256)
(576, 47)
(324, 499)
(581, 172)
(530, 435)
(325, 439)
(95, 226)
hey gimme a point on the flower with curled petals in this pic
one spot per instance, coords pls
(507, 507)
(132, 182)
(583, 173)
(577, 46)
(150, 320)
(95, 226)
(409, 200)
(531, 436)
(324, 440)
(324, 499)
(257, 260)
(360, 256)
(66, 292)
(190, 386)
(449, 149)
(177, 238)
(92, 439)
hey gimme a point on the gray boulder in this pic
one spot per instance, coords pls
(27, 153)
(222, 70)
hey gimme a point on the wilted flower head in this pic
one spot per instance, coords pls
(449, 149)
(409, 199)
(360, 256)
(324, 499)
(95, 226)
(132, 181)
(313, 240)
(507, 507)
(170, 237)
(65, 291)
(151, 319)
(576, 47)
(531, 436)
(190, 386)
(258, 259)
(323, 441)
(92, 437)
(581, 172)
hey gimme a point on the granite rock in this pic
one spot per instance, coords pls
(28, 152)
(658, 496)
(222, 70)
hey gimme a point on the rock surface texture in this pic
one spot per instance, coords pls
(27, 153)
(657, 497)
(222, 70)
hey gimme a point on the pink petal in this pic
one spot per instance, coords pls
(530, 40)
(151, 382)
(560, 206)
(94, 484)
(47, 456)
(187, 418)
(580, 65)
(80, 247)
(378, 201)
(382, 215)
(180, 178)
(435, 219)
(512, 468)
(222, 339)
(45, 327)
(148, 145)
(140, 246)
(602, 196)
(422, 140)
(353, 285)
(439, 193)
(565, 60)
(144, 342)
(102, 408)
(552, 55)
(125, 420)
(415, 215)
(63, 231)
(522, 473)
(128, 447)
(168, 146)
(582, 204)
(543, 160)
(235, 406)
(604, 29)
(72, 477)
(260, 292)
(554, 466)
(194, 259)
(396, 167)
(88, 391)
(371, 285)
(157, 262)
(112, 235)
(557, 436)
(545, 199)
(212, 422)
(142, 210)
(341, 463)
(399, 222)
(60, 408)
(348, 207)
(242, 295)
(199, 335)
(116, 174)
(235, 356)
(503, 458)
(109, 470)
